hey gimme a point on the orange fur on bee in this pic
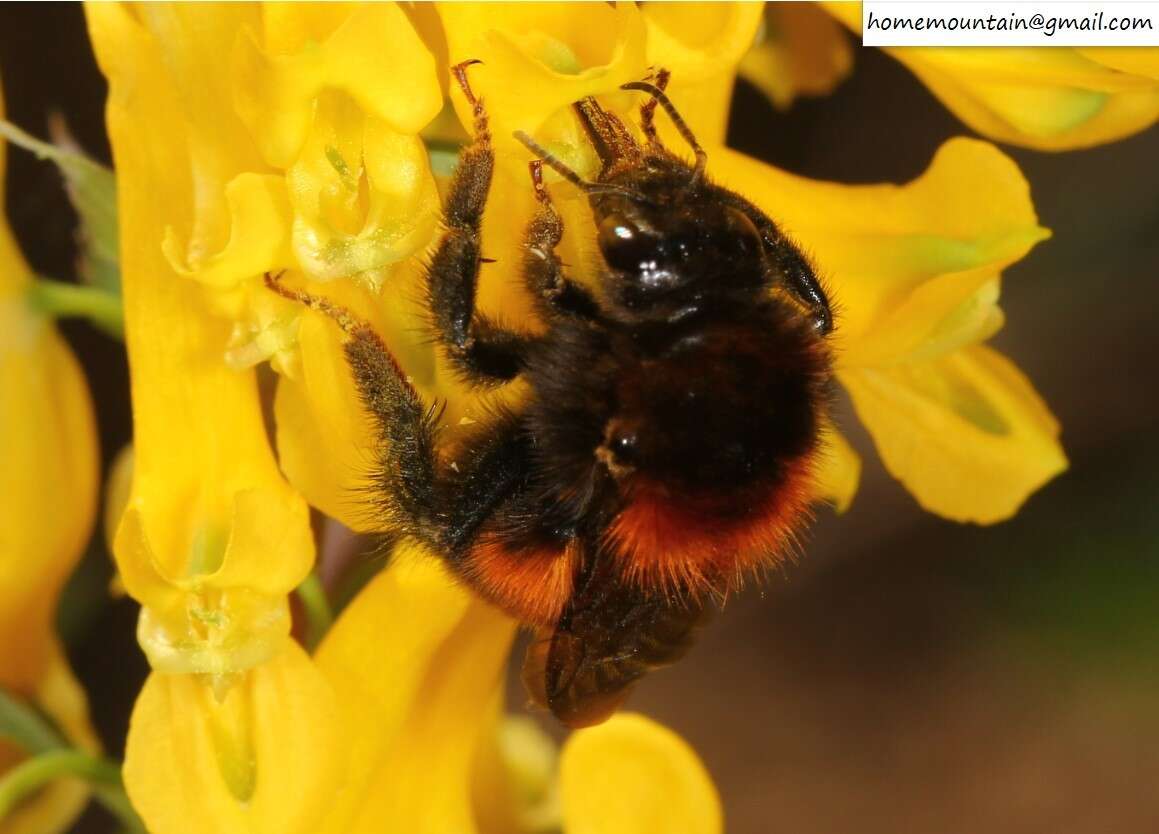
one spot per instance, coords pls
(532, 585)
(675, 544)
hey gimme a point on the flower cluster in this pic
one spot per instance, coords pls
(309, 139)
(49, 448)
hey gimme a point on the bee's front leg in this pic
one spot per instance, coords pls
(481, 349)
(542, 269)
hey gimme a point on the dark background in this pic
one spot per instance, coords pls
(910, 674)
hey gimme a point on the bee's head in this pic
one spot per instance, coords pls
(672, 247)
(672, 242)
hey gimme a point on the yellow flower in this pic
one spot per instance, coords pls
(48, 490)
(414, 673)
(423, 718)
(1048, 98)
(254, 139)
(213, 539)
(299, 152)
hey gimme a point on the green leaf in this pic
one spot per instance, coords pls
(92, 188)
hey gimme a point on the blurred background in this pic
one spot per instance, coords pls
(909, 674)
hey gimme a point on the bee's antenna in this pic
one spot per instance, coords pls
(571, 176)
(682, 126)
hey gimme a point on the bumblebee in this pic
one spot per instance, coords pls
(665, 446)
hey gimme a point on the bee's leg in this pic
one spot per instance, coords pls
(405, 473)
(648, 108)
(542, 269)
(479, 347)
(414, 491)
(802, 281)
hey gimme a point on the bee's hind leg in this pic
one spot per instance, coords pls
(404, 476)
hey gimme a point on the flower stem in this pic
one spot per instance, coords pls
(24, 727)
(52, 759)
(100, 307)
(316, 605)
(104, 776)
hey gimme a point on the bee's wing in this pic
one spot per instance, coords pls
(609, 635)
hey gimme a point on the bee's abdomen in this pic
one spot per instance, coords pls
(531, 583)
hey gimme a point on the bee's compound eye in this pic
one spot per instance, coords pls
(626, 246)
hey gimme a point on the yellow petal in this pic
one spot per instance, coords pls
(696, 41)
(325, 443)
(118, 488)
(801, 52)
(185, 47)
(1049, 98)
(363, 194)
(259, 210)
(314, 47)
(839, 470)
(515, 784)
(243, 218)
(48, 445)
(416, 663)
(631, 774)
(213, 538)
(1144, 62)
(359, 198)
(701, 45)
(326, 102)
(539, 58)
(912, 269)
(966, 434)
(265, 758)
(227, 609)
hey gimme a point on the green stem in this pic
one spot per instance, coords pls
(105, 777)
(59, 299)
(51, 758)
(114, 800)
(25, 727)
(316, 605)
